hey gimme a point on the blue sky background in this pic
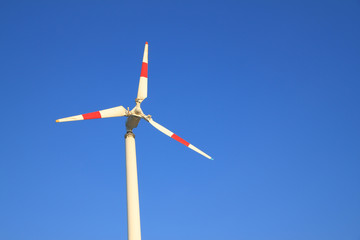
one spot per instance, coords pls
(270, 89)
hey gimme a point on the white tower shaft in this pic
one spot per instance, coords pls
(133, 209)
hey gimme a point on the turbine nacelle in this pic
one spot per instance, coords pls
(134, 117)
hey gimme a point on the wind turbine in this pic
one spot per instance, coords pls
(133, 118)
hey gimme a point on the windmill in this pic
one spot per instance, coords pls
(133, 118)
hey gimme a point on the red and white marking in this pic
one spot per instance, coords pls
(177, 138)
(143, 84)
(106, 113)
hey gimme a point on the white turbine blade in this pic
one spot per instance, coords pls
(106, 113)
(143, 83)
(177, 138)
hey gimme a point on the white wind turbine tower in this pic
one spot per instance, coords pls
(133, 118)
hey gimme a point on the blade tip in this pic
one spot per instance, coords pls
(146, 43)
(211, 158)
(57, 120)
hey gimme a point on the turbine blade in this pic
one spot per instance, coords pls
(106, 113)
(143, 83)
(177, 138)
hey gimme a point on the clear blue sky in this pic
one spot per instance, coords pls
(270, 90)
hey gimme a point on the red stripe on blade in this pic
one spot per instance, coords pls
(179, 139)
(144, 70)
(91, 115)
